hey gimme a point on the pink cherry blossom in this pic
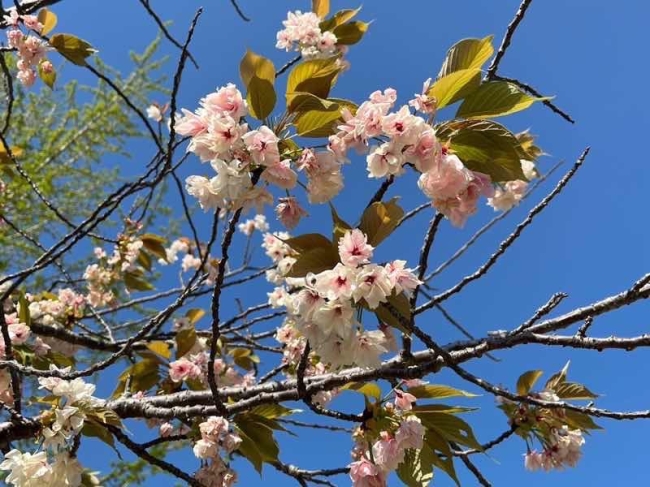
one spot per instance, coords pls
(183, 369)
(227, 100)
(401, 278)
(364, 473)
(387, 452)
(410, 433)
(281, 174)
(404, 400)
(354, 248)
(190, 124)
(289, 212)
(373, 285)
(262, 145)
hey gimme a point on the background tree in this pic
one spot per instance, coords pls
(229, 367)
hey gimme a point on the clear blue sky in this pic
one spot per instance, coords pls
(591, 243)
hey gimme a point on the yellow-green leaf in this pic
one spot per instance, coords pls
(315, 260)
(433, 391)
(351, 32)
(308, 241)
(255, 65)
(134, 282)
(417, 468)
(194, 315)
(396, 312)
(154, 244)
(467, 54)
(316, 77)
(303, 102)
(48, 76)
(369, 389)
(451, 428)
(340, 17)
(379, 220)
(316, 123)
(484, 146)
(185, 340)
(258, 444)
(97, 431)
(496, 99)
(72, 48)
(273, 411)
(559, 378)
(4, 155)
(573, 390)
(455, 86)
(48, 20)
(437, 443)
(161, 348)
(340, 225)
(527, 381)
(261, 97)
(320, 7)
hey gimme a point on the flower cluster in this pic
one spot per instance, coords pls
(193, 365)
(511, 193)
(323, 307)
(376, 455)
(215, 438)
(219, 136)
(563, 449)
(302, 33)
(34, 470)
(31, 50)
(258, 223)
(61, 426)
(324, 176)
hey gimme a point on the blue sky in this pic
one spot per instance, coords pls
(590, 243)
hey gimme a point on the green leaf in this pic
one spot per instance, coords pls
(441, 408)
(273, 411)
(154, 244)
(417, 468)
(379, 220)
(340, 226)
(484, 146)
(573, 390)
(368, 389)
(450, 427)
(134, 282)
(160, 348)
(467, 54)
(339, 18)
(400, 312)
(72, 48)
(559, 378)
(143, 376)
(527, 381)
(144, 259)
(185, 340)
(194, 315)
(255, 65)
(244, 358)
(315, 260)
(303, 102)
(316, 77)
(307, 242)
(438, 443)
(495, 99)
(433, 391)
(48, 19)
(317, 123)
(581, 421)
(258, 444)
(48, 77)
(261, 97)
(23, 315)
(350, 33)
(97, 431)
(455, 86)
(320, 7)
